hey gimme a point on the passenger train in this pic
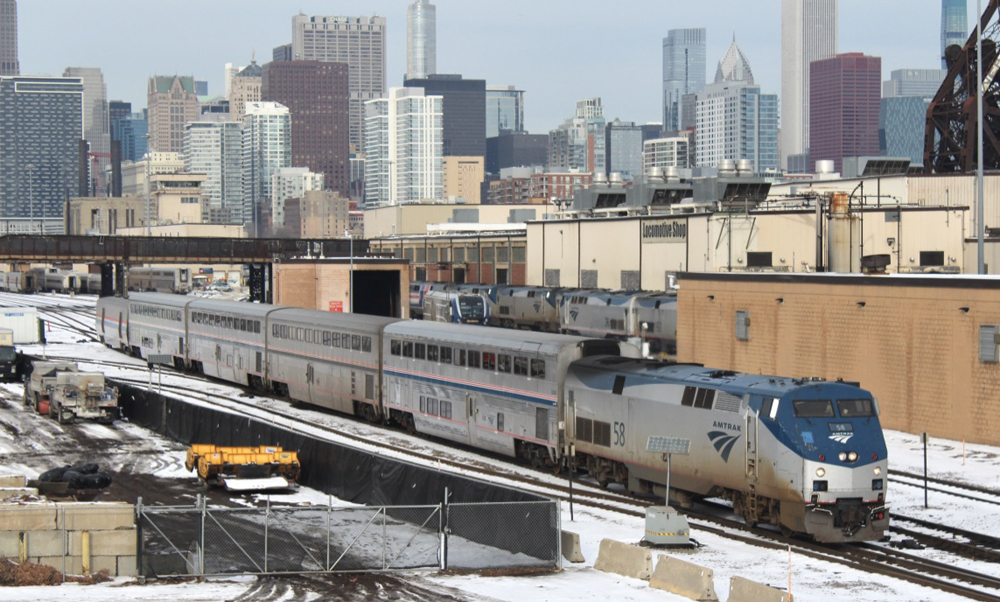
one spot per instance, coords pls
(54, 280)
(808, 456)
(649, 318)
(456, 307)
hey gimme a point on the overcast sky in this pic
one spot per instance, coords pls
(558, 51)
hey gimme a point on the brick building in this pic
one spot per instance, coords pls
(925, 346)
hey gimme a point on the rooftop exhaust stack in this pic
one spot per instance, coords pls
(727, 169)
(671, 174)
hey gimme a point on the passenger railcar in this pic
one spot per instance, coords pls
(528, 307)
(418, 292)
(456, 307)
(160, 280)
(501, 394)
(157, 325)
(112, 322)
(90, 284)
(53, 280)
(224, 340)
(807, 456)
(18, 282)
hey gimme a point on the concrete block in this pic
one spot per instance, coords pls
(46, 543)
(13, 481)
(27, 518)
(10, 544)
(744, 590)
(120, 542)
(571, 547)
(127, 566)
(104, 563)
(624, 559)
(9, 492)
(96, 517)
(684, 579)
(73, 564)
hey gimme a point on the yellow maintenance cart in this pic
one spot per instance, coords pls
(245, 468)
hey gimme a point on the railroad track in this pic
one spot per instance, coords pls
(938, 485)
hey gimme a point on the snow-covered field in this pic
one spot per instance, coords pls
(24, 440)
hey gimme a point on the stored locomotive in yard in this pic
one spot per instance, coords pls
(456, 307)
(807, 456)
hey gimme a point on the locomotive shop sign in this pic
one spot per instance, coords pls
(664, 230)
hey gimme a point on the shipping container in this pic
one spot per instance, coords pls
(23, 321)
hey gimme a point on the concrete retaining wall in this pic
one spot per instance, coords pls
(624, 559)
(744, 590)
(75, 538)
(684, 579)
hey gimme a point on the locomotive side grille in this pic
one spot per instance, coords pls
(584, 429)
(602, 433)
(370, 386)
(727, 402)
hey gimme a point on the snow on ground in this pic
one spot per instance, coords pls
(811, 579)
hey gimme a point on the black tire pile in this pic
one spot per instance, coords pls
(85, 476)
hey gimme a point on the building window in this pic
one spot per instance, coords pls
(989, 343)
(743, 325)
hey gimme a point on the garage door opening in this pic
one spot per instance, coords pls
(376, 293)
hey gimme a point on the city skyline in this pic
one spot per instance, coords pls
(625, 69)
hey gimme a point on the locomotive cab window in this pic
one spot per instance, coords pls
(854, 408)
(813, 408)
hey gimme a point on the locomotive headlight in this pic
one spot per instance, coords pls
(821, 472)
(852, 457)
(878, 470)
(842, 456)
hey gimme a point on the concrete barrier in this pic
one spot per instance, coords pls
(16, 517)
(744, 590)
(684, 579)
(13, 481)
(17, 492)
(624, 559)
(105, 516)
(571, 547)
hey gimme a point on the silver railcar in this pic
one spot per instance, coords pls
(160, 280)
(158, 326)
(528, 307)
(112, 322)
(226, 339)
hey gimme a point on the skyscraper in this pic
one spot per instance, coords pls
(267, 134)
(954, 25)
(464, 110)
(244, 87)
(316, 94)
(9, 64)
(172, 102)
(117, 110)
(215, 148)
(421, 40)
(504, 110)
(133, 132)
(901, 126)
(913, 82)
(735, 120)
(290, 183)
(623, 152)
(357, 41)
(96, 126)
(40, 135)
(403, 147)
(845, 98)
(808, 33)
(578, 144)
(683, 72)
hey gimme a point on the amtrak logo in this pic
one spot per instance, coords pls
(538, 307)
(723, 443)
(573, 313)
(841, 438)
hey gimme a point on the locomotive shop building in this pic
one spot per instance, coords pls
(926, 347)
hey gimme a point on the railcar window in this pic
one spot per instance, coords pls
(366, 344)
(256, 326)
(446, 355)
(299, 334)
(688, 398)
(520, 366)
(489, 361)
(504, 363)
(537, 368)
(356, 342)
(765, 408)
(407, 349)
(813, 408)
(432, 353)
(461, 357)
(243, 324)
(395, 348)
(500, 421)
(420, 351)
(852, 408)
(445, 409)
(704, 399)
(474, 358)
(327, 339)
(284, 332)
(432, 406)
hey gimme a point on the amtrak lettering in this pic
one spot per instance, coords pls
(658, 231)
(726, 425)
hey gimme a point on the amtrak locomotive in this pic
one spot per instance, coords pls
(807, 456)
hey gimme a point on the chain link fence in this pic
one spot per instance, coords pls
(199, 540)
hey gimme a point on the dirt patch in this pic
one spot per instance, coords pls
(15, 574)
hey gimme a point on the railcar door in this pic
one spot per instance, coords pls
(310, 382)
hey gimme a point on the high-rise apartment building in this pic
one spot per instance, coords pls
(282, 53)
(623, 152)
(403, 147)
(357, 41)
(464, 112)
(243, 88)
(954, 25)
(913, 82)
(291, 183)
(96, 123)
(845, 101)
(172, 102)
(683, 72)
(214, 147)
(578, 144)
(40, 135)
(9, 64)
(664, 152)
(230, 72)
(808, 33)
(504, 110)
(316, 94)
(267, 136)
(735, 120)
(421, 40)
